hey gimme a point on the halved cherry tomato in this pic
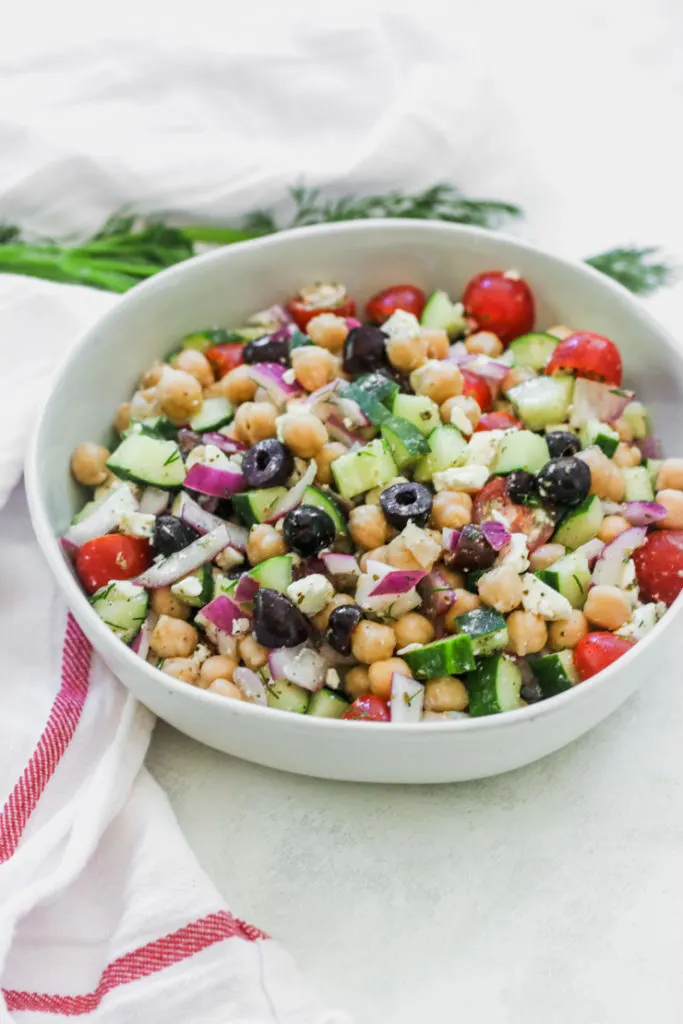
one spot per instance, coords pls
(587, 355)
(500, 302)
(497, 421)
(225, 358)
(112, 557)
(320, 298)
(477, 388)
(536, 523)
(368, 708)
(597, 651)
(659, 566)
(400, 296)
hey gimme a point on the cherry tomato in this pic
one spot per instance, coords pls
(477, 388)
(225, 358)
(320, 298)
(659, 566)
(500, 302)
(587, 355)
(536, 523)
(597, 651)
(368, 708)
(497, 421)
(400, 296)
(112, 557)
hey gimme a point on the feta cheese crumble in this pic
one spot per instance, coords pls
(311, 593)
(539, 598)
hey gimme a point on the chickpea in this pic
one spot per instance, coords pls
(238, 386)
(195, 363)
(380, 554)
(670, 475)
(606, 480)
(371, 641)
(527, 633)
(357, 682)
(164, 602)
(501, 589)
(446, 693)
(484, 343)
(607, 607)
(122, 419)
(400, 556)
(464, 602)
(145, 404)
(626, 455)
(623, 429)
(438, 342)
(673, 503)
(214, 390)
(380, 674)
(564, 633)
(220, 666)
(368, 526)
(560, 331)
(611, 527)
(516, 376)
(180, 395)
(413, 628)
(313, 366)
(185, 669)
(407, 353)
(89, 464)
(303, 433)
(255, 421)
(328, 330)
(226, 688)
(173, 638)
(466, 404)
(153, 375)
(264, 542)
(544, 556)
(438, 381)
(322, 620)
(455, 579)
(328, 454)
(452, 509)
(252, 653)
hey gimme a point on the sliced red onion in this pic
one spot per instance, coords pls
(68, 547)
(222, 613)
(642, 513)
(437, 593)
(612, 558)
(593, 400)
(270, 376)
(351, 322)
(384, 603)
(294, 496)
(106, 517)
(226, 444)
(458, 353)
(650, 448)
(187, 440)
(219, 483)
(251, 685)
(154, 501)
(351, 411)
(340, 432)
(340, 565)
(487, 368)
(397, 581)
(591, 551)
(301, 665)
(322, 394)
(180, 563)
(246, 589)
(496, 534)
(200, 519)
(141, 642)
(273, 315)
(407, 699)
(449, 538)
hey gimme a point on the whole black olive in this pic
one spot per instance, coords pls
(172, 534)
(473, 551)
(562, 442)
(343, 621)
(277, 621)
(364, 350)
(271, 348)
(307, 530)
(403, 502)
(268, 463)
(565, 481)
(520, 485)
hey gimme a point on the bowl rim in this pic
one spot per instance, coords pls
(76, 598)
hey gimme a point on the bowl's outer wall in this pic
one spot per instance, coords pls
(223, 289)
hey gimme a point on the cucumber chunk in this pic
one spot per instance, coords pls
(360, 471)
(374, 409)
(447, 657)
(637, 485)
(274, 574)
(637, 418)
(214, 413)
(122, 605)
(486, 628)
(593, 432)
(319, 498)
(570, 576)
(406, 443)
(154, 426)
(284, 696)
(197, 589)
(494, 686)
(440, 312)
(521, 449)
(555, 673)
(327, 704)
(581, 525)
(148, 460)
(419, 410)
(652, 466)
(379, 386)
(533, 350)
(446, 446)
(542, 400)
(254, 506)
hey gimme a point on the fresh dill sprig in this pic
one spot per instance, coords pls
(642, 271)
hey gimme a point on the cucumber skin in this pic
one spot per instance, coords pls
(172, 468)
(319, 499)
(447, 657)
(572, 533)
(528, 351)
(280, 566)
(482, 686)
(242, 504)
(406, 449)
(532, 460)
(551, 678)
(637, 484)
(283, 696)
(327, 704)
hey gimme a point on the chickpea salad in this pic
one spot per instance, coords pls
(435, 513)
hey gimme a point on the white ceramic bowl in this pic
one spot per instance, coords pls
(223, 288)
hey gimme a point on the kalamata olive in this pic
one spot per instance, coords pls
(364, 350)
(307, 530)
(473, 551)
(187, 440)
(268, 463)
(403, 502)
(562, 442)
(172, 534)
(277, 621)
(271, 348)
(531, 692)
(520, 485)
(565, 481)
(343, 621)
